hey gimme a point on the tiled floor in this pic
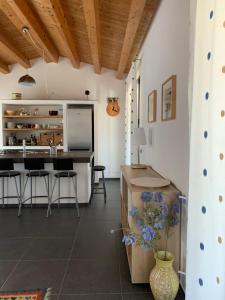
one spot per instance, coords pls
(78, 258)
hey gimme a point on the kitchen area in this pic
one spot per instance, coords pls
(49, 129)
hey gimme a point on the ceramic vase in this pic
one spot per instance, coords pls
(163, 279)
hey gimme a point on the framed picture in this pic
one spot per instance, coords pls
(152, 102)
(168, 111)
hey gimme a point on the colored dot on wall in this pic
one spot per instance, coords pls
(220, 198)
(205, 172)
(220, 240)
(217, 280)
(209, 55)
(200, 282)
(203, 209)
(207, 96)
(222, 113)
(202, 247)
(211, 14)
(205, 134)
(221, 156)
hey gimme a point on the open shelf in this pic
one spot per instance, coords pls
(33, 117)
(32, 129)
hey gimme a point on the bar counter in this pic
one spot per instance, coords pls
(77, 156)
(81, 164)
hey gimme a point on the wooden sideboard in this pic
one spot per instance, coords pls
(141, 261)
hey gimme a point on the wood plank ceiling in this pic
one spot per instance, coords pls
(104, 33)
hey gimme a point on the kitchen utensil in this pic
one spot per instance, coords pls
(10, 125)
(53, 112)
(9, 112)
(16, 96)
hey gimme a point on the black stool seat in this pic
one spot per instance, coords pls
(98, 168)
(66, 174)
(37, 173)
(9, 174)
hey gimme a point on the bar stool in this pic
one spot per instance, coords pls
(93, 188)
(7, 166)
(64, 168)
(35, 167)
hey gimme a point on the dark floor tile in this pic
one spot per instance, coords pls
(36, 274)
(59, 229)
(145, 296)
(18, 229)
(148, 296)
(92, 297)
(96, 234)
(13, 248)
(126, 285)
(6, 268)
(102, 213)
(49, 248)
(92, 276)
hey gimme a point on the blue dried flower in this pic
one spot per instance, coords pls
(158, 197)
(165, 210)
(148, 233)
(159, 225)
(133, 212)
(129, 239)
(145, 245)
(174, 221)
(175, 208)
(146, 196)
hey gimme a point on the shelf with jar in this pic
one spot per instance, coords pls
(38, 124)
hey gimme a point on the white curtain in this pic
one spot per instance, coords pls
(206, 207)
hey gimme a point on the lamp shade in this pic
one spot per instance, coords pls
(26, 80)
(138, 137)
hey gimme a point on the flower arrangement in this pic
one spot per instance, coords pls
(157, 217)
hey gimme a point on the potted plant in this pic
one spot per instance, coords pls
(156, 217)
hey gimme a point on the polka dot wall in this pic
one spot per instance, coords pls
(206, 207)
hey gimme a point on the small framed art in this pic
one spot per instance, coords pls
(152, 102)
(168, 111)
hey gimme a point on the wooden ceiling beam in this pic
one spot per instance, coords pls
(12, 16)
(91, 13)
(4, 68)
(64, 29)
(29, 19)
(135, 14)
(8, 47)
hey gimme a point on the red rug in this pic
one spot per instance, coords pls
(38, 294)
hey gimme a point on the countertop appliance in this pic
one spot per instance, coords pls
(80, 125)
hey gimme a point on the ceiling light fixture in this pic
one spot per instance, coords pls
(26, 80)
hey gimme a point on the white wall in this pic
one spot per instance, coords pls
(165, 52)
(62, 81)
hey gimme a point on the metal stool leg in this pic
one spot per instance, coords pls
(92, 182)
(74, 181)
(103, 181)
(20, 199)
(59, 192)
(47, 191)
(3, 192)
(31, 192)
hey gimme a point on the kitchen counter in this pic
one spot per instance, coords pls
(77, 156)
(81, 165)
